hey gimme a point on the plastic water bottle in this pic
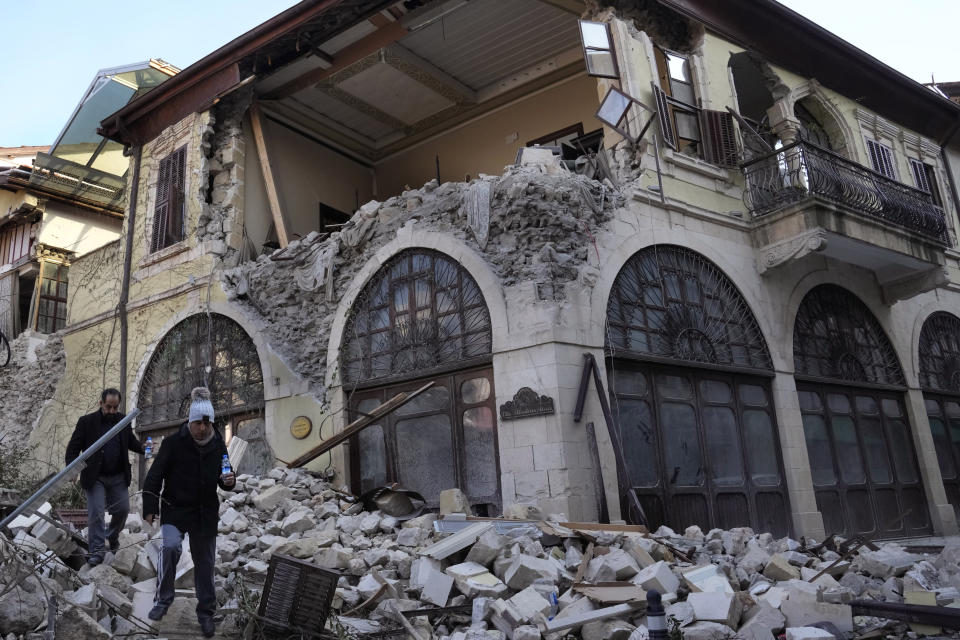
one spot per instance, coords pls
(148, 448)
(225, 465)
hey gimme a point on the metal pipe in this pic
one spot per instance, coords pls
(27, 505)
(125, 283)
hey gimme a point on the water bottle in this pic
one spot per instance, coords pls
(225, 465)
(148, 448)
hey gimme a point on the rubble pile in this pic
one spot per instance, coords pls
(481, 578)
(37, 364)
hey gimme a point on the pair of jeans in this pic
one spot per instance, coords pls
(203, 549)
(108, 493)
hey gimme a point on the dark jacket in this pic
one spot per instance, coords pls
(89, 429)
(189, 476)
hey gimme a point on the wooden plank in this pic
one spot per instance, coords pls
(584, 561)
(266, 170)
(342, 59)
(358, 425)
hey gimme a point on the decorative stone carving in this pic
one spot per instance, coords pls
(526, 403)
(793, 248)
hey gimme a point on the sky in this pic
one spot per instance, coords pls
(52, 50)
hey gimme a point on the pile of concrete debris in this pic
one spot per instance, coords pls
(475, 578)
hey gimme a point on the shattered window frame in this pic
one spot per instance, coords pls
(598, 54)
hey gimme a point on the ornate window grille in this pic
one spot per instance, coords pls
(670, 303)
(940, 353)
(837, 337)
(420, 313)
(202, 350)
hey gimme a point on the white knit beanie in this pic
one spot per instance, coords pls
(200, 404)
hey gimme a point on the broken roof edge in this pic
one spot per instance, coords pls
(122, 125)
(835, 59)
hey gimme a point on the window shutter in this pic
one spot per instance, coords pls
(162, 208)
(919, 175)
(881, 158)
(177, 200)
(663, 113)
(719, 138)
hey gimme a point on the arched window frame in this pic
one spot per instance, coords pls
(939, 353)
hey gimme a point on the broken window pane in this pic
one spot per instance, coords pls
(681, 445)
(723, 446)
(480, 451)
(679, 69)
(613, 108)
(761, 449)
(373, 456)
(819, 451)
(436, 398)
(424, 460)
(475, 390)
(639, 442)
(601, 63)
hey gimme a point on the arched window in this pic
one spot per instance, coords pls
(210, 350)
(422, 318)
(940, 380)
(420, 313)
(850, 387)
(672, 303)
(689, 382)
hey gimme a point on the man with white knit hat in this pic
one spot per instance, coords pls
(182, 487)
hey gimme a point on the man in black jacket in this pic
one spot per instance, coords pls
(106, 478)
(188, 468)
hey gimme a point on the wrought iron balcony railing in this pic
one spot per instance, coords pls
(802, 170)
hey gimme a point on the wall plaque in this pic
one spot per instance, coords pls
(526, 404)
(301, 427)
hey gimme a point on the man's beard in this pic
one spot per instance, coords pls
(111, 418)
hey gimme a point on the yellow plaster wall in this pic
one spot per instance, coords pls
(488, 144)
(95, 283)
(70, 228)
(281, 412)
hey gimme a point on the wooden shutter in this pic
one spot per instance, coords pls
(161, 211)
(719, 138)
(663, 113)
(919, 175)
(177, 200)
(881, 158)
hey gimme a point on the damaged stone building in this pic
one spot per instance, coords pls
(723, 290)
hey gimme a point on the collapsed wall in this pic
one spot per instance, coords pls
(27, 384)
(529, 225)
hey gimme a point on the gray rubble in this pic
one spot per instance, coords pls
(515, 584)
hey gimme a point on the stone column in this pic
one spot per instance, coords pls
(807, 520)
(941, 512)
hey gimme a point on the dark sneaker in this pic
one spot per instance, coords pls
(157, 612)
(94, 561)
(207, 627)
(114, 545)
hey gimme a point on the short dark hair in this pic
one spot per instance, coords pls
(110, 392)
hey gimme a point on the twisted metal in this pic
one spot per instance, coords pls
(802, 170)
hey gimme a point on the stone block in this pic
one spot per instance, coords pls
(617, 564)
(525, 569)
(487, 547)
(270, 498)
(754, 560)
(886, 562)
(437, 586)
(657, 576)
(800, 612)
(607, 630)
(779, 568)
(333, 558)
(74, 624)
(706, 631)
(125, 560)
(714, 606)
(774, 596)
(808, 633)
(760, 622)
(421, 569)
(927, 598)
(453, 501)
(707, 578)
(826, 580)
(528, 603)
(297, 522)
(106, 575)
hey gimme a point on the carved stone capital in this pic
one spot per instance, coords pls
(794, 248)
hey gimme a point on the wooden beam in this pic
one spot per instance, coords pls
(358, 425)
(267, 170)
(341, 59)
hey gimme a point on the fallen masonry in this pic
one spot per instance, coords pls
(481, 578)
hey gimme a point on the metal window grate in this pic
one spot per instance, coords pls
(837, 337)
(939, 352)
(296, 597)
(670, 302)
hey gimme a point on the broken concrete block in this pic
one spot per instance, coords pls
(465, 570)
(528, 603)
(116, 599)
(487, 547)
(657, 576)
(886, 562)
(524, 569)
(754, 560)
(774, 596)
(483, 585)
(613, 566)
(714, 606)
(453, 501)
(797, 558)
(297, 522)
(574, 610)
(270, 498)
(808, 633)
(607, 630)
(707, 578)
(74, 624)
(410, 537)
(761, 621)
(927, 598)
(826, 580)
(778, 568)
(526, 632)
(333, 558)
(232, 520)
(436, 589)
(800, 612)
(706, 631)
(125, 560)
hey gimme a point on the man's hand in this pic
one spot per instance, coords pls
(149, 518)
(228, 479)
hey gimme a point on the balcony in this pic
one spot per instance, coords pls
(806, 200)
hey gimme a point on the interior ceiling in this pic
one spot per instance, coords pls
(401, 75)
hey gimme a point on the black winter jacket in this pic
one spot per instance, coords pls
(189, 476)
(89, 429)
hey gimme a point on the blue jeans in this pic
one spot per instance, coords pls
(203, 549)
(109, 493)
